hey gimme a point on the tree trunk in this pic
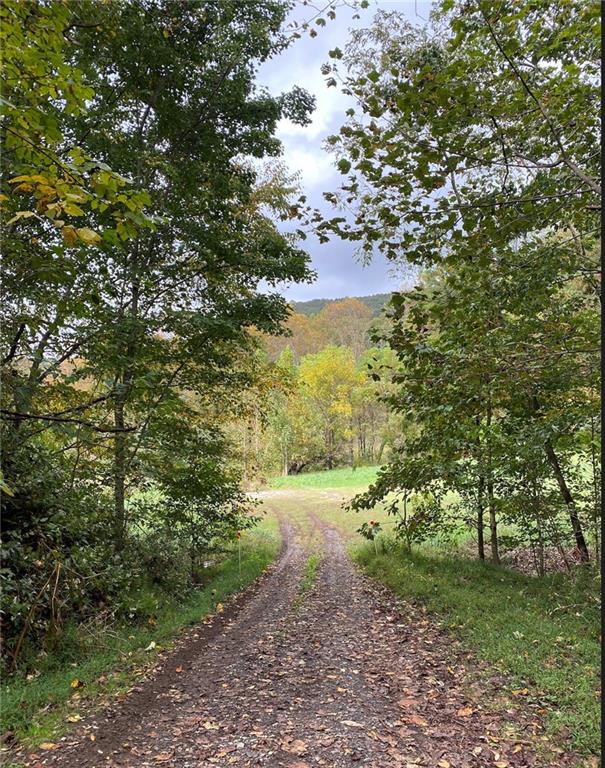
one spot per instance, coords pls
(493, 524)
(569, 502)
(119, 474)
(480, 531)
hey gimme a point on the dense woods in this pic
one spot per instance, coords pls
(152, 371)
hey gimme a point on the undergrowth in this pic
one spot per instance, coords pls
(39, 706)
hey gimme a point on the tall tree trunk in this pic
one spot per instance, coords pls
(566, 494)
(491, 502)
(119, 474)
(124, 385)
(572, 510)
(480, 530)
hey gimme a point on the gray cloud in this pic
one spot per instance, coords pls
(339, 273)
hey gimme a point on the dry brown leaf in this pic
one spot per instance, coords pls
(48, 745)
(163, 757)
(465, 711)
(297, 747)
(407, 702)
(416, 720)
(210, 726)
(444, 763)
(351, 723)
(179, 669)
(501, 764)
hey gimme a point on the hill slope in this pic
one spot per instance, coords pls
(375, 302)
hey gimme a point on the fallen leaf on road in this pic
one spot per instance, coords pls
(416, 720)
(407, 702)
(297, 747)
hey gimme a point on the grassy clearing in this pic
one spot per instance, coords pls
(347, 478)
(543, 633)
(38, 709)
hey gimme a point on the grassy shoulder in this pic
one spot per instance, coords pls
(40, 708)
(543, 633)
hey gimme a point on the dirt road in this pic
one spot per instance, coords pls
(338, 676)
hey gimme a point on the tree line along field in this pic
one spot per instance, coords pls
(155, 380)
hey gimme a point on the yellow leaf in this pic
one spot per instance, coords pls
(70, 236)
(501, 764)
(75, 683)
(73, 718)
(219, 608)
(88, 236)
(48, 745)
(21, 215)
(520, 692)
(444, 764)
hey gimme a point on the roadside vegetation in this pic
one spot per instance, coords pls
(541, 633)
(152, 372)
(97, 662)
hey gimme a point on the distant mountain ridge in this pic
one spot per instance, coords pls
(375, 302)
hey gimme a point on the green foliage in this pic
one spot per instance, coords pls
(472, 156)
(132, 301)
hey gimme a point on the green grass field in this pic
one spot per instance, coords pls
(39, 709)
(348, 478)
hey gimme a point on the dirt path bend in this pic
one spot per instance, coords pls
(338, 676)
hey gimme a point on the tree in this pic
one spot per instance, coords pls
(345, 323)
(327, 379)
(131, 298)
(472, 146)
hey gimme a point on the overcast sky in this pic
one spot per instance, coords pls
(339, 274)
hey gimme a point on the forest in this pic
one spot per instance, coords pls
(155, 381)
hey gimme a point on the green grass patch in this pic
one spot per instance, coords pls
(37, 709)
(543, 633)
(308, 578)
(344, 478)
